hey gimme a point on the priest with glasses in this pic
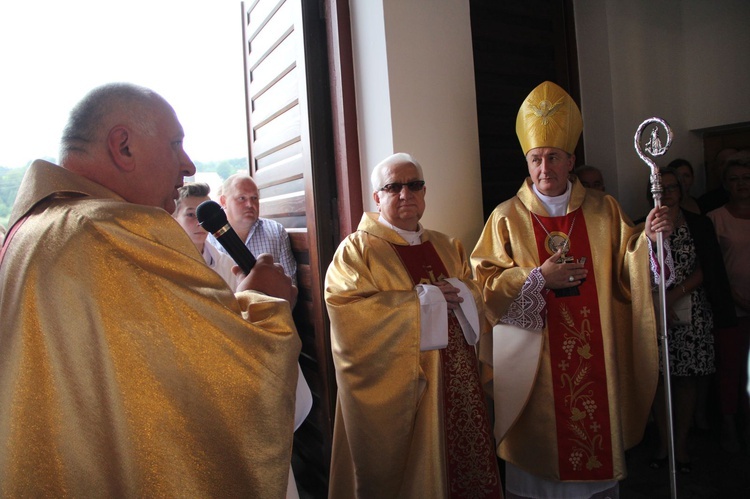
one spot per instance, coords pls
(411, 419)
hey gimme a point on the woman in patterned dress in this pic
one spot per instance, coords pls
(700, 285)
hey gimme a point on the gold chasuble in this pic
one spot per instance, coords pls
(126, 366)
(409, 424)
(593, 383)
(469, 450)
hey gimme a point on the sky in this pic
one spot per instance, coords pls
(52, 52)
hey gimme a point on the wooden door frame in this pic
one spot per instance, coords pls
(344, 114)
(319, 238)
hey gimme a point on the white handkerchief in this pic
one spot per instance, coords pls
(467, 314)
(433, 318)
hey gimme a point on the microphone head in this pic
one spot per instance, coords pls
(211, 216)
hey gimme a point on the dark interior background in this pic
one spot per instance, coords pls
(517, 46)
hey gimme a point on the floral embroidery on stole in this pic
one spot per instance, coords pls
(579, 375)
(469, 445)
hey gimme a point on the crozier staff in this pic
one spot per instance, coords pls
(566, 280)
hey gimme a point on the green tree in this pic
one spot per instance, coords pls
(10, 180)
(224, 170)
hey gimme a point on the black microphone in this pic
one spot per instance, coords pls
(213, 219)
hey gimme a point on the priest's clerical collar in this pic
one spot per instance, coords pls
(411, 237)
(557, 206)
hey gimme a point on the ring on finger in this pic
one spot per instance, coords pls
(571, 279)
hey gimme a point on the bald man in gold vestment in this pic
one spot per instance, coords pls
(411, 420)
(128, 368)
(566, 280)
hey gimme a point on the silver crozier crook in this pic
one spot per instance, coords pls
(655, 147)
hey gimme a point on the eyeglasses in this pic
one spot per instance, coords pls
(736, 178)
(395, 187)
(671, 188)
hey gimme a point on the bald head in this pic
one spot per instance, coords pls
(241, 201)
(128, 139)
(105, 107)
(235, 179)
(590, 177)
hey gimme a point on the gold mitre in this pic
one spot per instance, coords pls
(549, 118)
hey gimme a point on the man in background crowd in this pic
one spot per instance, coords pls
(240, 199)
(590, 177)
(190, 197)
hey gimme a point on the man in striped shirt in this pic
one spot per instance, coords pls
(241, 202)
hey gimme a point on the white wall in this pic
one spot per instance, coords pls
(414, 80)
(717, 45)
(681, 60)
(372, 90)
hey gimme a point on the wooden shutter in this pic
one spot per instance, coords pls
(296, 182)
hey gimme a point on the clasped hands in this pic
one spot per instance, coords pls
(450, 293)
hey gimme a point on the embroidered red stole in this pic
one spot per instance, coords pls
(579, 376)
(469, 444)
